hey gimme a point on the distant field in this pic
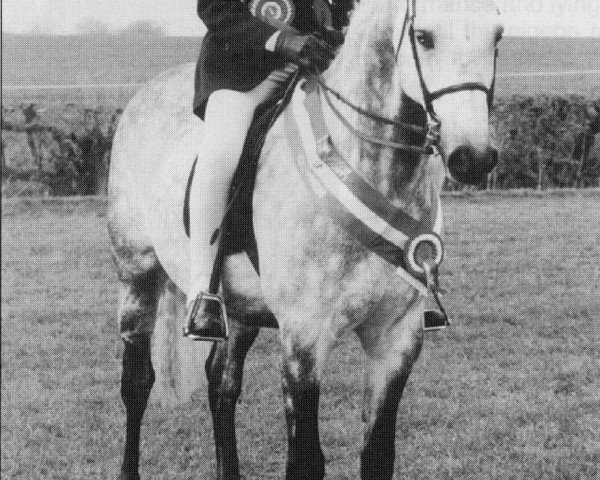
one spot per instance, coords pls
(81, 60)
(507, 393)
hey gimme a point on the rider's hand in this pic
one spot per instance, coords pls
(332, 36)
(305, 50)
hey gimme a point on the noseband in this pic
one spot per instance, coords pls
(432, 130)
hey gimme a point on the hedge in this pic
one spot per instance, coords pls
(544, 142)
(57, 150)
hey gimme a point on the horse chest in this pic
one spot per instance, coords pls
(316, 269)
(310, 266)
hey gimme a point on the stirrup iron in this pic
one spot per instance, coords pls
(434, 319)
(188, 330)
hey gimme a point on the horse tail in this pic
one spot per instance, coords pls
(178, 362)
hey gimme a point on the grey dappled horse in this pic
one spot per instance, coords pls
(315, 280)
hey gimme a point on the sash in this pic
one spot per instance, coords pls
(362, 211)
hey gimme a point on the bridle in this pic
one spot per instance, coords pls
(432, 130)
(428, 96)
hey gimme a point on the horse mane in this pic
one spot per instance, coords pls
(366, 72)
(365, 66)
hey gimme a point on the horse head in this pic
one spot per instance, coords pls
(446, 53)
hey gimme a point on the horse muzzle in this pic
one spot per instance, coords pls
(469, 165)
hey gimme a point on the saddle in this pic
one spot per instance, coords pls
(236, 234)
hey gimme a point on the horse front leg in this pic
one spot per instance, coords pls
(389, 363)
(300, 381)
(224, 369)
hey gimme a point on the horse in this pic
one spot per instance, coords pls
(429, 62)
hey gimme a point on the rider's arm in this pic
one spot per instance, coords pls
(232, 19)
(232, 22)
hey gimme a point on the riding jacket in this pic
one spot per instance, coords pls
(233, 54)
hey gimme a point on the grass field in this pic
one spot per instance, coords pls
(507, 393)
(29, 60)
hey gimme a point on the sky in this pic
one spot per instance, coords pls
(178, 17)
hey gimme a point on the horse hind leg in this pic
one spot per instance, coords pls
(137, 317)
(224, 369)
(387, 371)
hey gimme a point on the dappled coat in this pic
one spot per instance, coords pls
(233, 54)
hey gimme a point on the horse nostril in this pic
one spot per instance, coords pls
(467, 165)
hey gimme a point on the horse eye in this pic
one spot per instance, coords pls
(425, 39)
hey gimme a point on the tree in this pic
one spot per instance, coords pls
(143, 28)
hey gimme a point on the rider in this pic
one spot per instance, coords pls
(244, 61)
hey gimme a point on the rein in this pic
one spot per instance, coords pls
(427, 149)
(366, 113)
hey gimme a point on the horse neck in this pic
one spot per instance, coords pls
(365, 72)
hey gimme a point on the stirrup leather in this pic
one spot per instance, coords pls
(434, 319)
(188, 330)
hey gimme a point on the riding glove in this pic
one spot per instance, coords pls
(332, 36)
(305, 50)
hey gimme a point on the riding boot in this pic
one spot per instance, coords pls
(227, 119)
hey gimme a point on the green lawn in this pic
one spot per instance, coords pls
(510, 392)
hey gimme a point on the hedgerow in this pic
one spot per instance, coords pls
(66, 149)
(544, 142)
